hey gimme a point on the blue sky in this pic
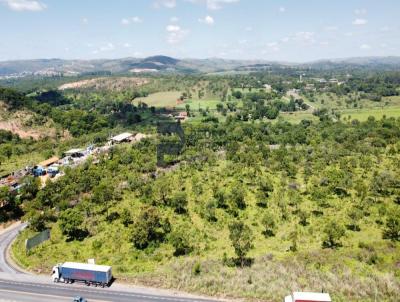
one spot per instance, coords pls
(284, 30)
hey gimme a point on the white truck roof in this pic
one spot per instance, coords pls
(308, 297)
(121, 137)
(88, 267)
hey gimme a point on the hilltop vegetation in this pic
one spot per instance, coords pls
(330, 190)
(277, 180)
(167, 65)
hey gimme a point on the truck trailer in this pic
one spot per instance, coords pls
(90, 274)
(308, 297)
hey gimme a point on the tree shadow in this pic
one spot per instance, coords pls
(238, 262)
(78, 235)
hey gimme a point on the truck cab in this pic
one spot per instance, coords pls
(56, 273)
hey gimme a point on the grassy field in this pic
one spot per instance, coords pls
(363, 114)
(196, 104)
(332, 101)
(160, 99)
(247, 90)
(297, 117)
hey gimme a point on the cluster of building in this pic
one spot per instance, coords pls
(181, 116)
(51, 168)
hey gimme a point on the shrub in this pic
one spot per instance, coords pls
(180, 240)
(149, 227)
(269, 224)
(333, 235)
(241, 238)
(71, 222)
(392, 230)
(196, 269)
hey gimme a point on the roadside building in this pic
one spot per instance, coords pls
(48, 162)
(75, 153)
(181, 116)
(267, 87)
(121, 138)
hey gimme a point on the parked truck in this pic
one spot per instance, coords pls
(90, 274)
(308, 297)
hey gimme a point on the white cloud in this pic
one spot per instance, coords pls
(126, 21)
(304, 36)
(385, 28)
(127, 45)
(172, 28)
(213, 4)
(248, 28)
(207, 20)
(165, 3)
(24, 5)
(285, 39)
(360, 11)
(360, 22)
(174, 19)
(384, 45)
(244, 41)
(349, 34)
(137, 54)
(282, 9)
(175, 33)
(136, 19)
(331, 28)
(85, 20)
(107, 47)
(365, 47)
(273, 46)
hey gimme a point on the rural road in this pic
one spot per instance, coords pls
(17, 286)
(6, 237)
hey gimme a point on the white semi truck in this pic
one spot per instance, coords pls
(308, 297)
(90, 274)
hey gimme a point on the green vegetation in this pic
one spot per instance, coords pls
(213, 208)
(274, 191)
(160, 99)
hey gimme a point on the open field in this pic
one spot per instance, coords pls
(297, 117)
(115, 83)
(196, 104)
(160, 99)
(333, 101)
(378, 113)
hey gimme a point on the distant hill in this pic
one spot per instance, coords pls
(383, 63)
(165, 64)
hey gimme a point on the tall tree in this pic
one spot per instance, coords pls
(242, 238)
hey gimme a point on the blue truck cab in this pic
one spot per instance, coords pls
(38, 171)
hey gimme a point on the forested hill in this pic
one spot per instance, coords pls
(165, 64)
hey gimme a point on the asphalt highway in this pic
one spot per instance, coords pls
(16, 286)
